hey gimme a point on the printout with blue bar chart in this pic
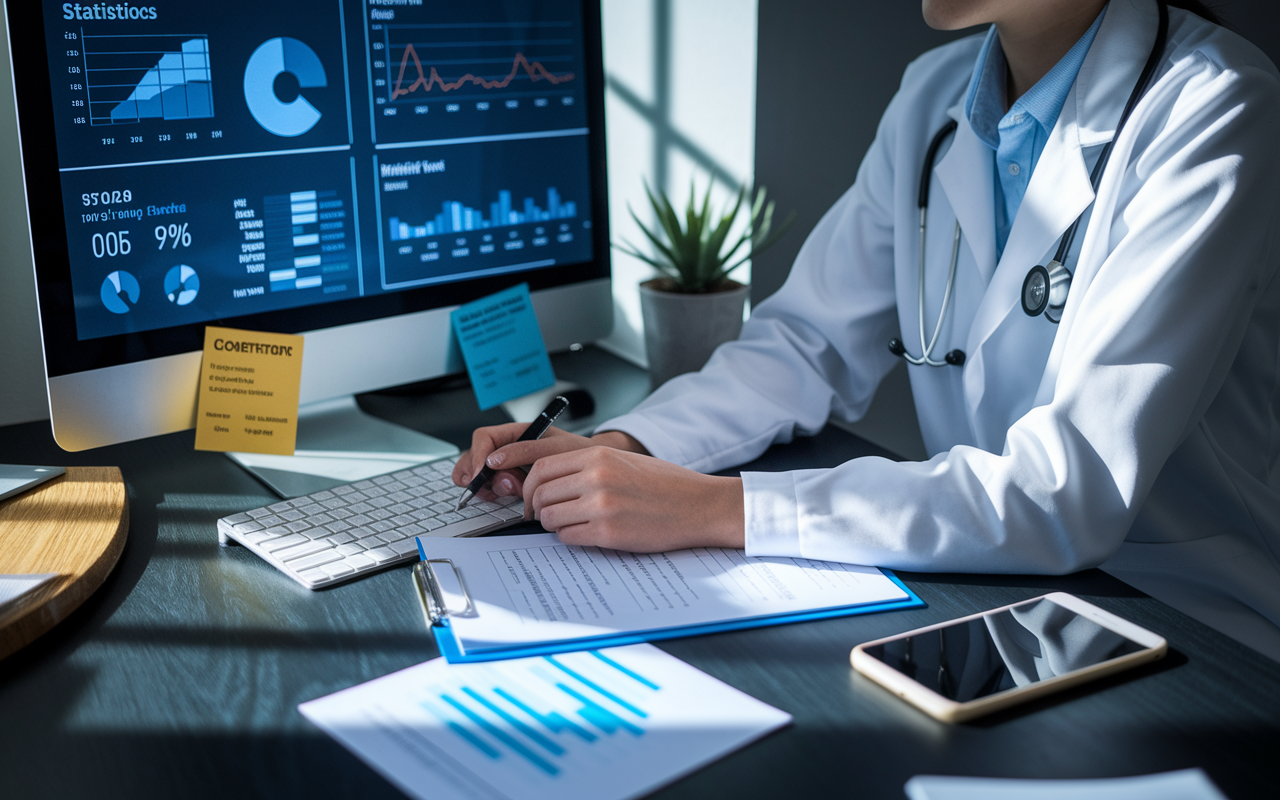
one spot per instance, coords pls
(595, 725)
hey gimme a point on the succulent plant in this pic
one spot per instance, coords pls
(695, 257)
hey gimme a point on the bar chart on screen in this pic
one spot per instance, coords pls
(604, 724)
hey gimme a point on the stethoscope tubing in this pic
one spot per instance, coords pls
(1059, 280)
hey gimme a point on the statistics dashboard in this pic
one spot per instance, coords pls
(224, 161)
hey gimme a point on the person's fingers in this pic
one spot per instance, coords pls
(549, 469)
(522, 454)
(508, 483)
(483, 442)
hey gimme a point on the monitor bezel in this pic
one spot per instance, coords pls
(64, 354)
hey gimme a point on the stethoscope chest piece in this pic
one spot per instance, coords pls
(1045, 291)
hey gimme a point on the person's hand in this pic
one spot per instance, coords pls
(497, 446)
(607, 497)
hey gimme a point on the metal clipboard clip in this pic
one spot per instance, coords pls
(434, 608)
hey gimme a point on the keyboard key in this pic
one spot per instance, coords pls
(508, 513)
(260, 536)
(337, 569)
(311, 509)
(315, 533)
(349, 549)
(279, 507)
(380, 513)
(298, 551)
(299, 526)
(404, 547)
(258, 513)
(282, 543)
(470, 511)
(451, 517)
(431, 523)
(341, 538)
(268, 521)
(314, 575)
(360, 521)
(343, 490)
(291, 514)
(323, 495)
(239, 518)
(359, 561)
(381, 554)
(392, 536)
(298, 565)
(249, 527)
(465, 527)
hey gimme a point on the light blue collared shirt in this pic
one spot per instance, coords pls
(1018, 136)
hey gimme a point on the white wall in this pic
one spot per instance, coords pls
(22, 393)
(680, 104)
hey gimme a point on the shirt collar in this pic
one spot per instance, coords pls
(984, 101)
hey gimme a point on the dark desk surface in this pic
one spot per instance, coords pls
(181, 677)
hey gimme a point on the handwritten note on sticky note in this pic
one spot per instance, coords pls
(249, 392)
(502, 345)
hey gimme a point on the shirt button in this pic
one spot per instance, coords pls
(1013, 169)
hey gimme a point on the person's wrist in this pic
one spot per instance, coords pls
(619, 441)
(729, 518)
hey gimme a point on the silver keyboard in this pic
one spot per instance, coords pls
(342, 533)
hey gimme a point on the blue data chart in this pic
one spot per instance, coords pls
(557, 705)
(272, 59)
(307, 242)
(132, 78)
(452, 212)
(455, 217)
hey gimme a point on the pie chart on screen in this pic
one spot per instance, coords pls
(181, 284)
(119, 292)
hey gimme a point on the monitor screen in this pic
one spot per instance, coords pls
(294, 166)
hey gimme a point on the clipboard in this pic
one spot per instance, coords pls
(437, 613)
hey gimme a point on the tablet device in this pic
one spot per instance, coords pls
(16, 478)
(965, 668)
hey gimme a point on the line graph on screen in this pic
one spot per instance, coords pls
(427, 82)
(481, 60)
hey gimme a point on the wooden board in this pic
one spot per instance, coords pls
(74, 526)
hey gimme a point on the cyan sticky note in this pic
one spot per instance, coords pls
(502, 346)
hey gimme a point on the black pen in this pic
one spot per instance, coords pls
(535, 430)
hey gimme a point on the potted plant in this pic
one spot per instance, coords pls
(693, 306)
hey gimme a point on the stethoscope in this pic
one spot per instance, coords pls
(1045, 289)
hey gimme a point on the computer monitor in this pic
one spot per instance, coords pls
(346, 169)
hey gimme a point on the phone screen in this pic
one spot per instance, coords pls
(1024, 644)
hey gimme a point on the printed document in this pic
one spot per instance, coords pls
(534, 589)
(596, 725)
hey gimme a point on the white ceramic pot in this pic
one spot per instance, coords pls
(682, 330)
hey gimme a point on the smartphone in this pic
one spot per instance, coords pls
(962, 669)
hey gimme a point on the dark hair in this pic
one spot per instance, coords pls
(1198, 8)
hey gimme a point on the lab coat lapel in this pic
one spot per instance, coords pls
(1058, 193)
(965, 175)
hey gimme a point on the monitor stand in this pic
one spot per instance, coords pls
(338, 443)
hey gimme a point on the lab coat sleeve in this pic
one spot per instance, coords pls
(1190, 246)
(816, 347)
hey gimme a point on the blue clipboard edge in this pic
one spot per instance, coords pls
(447, 643)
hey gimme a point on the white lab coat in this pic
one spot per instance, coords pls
(1139, 434)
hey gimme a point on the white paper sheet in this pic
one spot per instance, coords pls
(597, 725)
(534, 589)
(14, 587)
(1187, 784)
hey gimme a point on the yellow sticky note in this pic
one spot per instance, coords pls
(249, 392)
